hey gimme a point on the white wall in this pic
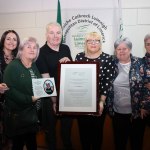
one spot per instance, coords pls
(29, 17)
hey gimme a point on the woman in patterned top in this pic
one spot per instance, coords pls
(145, 72)
(124, 99)
(91, 127)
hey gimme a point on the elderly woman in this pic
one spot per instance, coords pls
(20, 101)
(145, 71)
(91, 127)
(124, 100)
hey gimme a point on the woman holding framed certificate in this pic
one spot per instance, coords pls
(90, 126)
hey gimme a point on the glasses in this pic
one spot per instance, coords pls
(147, 44)
(93, 41)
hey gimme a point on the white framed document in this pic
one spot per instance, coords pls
(78, 91)
(44, 87)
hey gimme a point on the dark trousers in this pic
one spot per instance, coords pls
(50, 128)
(28, 139)
(1, 126)
(49, 124)
(66, 126)
(91, 131)
(126, 128)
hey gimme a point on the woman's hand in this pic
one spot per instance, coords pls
(53, 98)
(3, 88)
(64, 60)
(144, 113)
(147, 85)
(101, 104)
(101, 107)
(34, 99)
(54, 107)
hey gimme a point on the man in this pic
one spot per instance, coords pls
(51, 54)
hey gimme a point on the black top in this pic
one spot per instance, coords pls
(2, 64)
(48, 59)
(105, 72)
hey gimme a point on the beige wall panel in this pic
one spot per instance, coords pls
(135, 3)
(129, 16)
(20, 5)
(38, 33)
(43, 18)
(50, 4)
(144, 16)
(17, 20)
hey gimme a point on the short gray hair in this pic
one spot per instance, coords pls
(25, 42)
(53, 24)
(147, 36)
(125, 40)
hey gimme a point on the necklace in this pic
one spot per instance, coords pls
(8, 58)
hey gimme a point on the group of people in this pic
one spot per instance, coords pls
(124, 90)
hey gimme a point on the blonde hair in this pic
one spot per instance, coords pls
(25, 42)
(91, 35)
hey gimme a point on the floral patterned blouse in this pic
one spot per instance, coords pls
(105, 70)
(136, 85)
(145, 72)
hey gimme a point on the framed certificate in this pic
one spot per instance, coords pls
(78, 90)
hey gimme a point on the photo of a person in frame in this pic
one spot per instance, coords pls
(48, 87)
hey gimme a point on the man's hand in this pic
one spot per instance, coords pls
(64, 60)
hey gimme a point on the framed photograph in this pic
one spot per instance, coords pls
(44, 87)
(77, 88)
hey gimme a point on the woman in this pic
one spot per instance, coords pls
(124, 100)
(91, 127)
(145, 71)
(8, 49)
(19, 98)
